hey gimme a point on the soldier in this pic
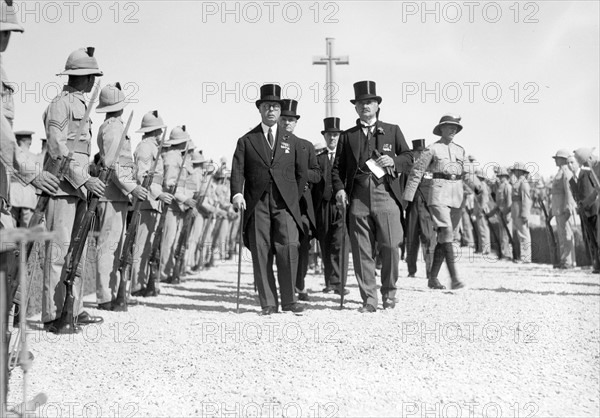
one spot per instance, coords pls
(446, 160)
(22, 196)
(466, 228)
(174, 164)
(369, 159)
(481, 207)
(420, 223)
(267, 180)
(330, 231)
(562, 207)
(145, 154)
(521, 210)
(112, 209)
(586, 158)
(288, 121)
(222, 207)
(62, 119)
(504, 202)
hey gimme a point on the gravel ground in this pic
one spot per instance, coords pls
(523, 340)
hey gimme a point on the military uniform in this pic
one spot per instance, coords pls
(504, 202)
(562, 205)
(520, 211)
(23, 199)
(481, 208)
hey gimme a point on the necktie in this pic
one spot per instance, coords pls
(270, 138)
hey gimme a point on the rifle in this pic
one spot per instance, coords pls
(66, 323)
(126, 258)
(550, 235)
(184, 235)
(154, 261)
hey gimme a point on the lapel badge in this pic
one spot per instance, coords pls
(387, 147)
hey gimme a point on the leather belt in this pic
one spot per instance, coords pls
(446, 176)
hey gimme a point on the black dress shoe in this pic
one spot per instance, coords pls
(119, 306)
(106, 306)
(85, 318)
(367, 309)
(389, 304)
(138, 293)
(303, 296)
(50, 324)
(338, 290)
(435, 284)
(269, 310)
(457, 285)
(329, 288)
(294, 308)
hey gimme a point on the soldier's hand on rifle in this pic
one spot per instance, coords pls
(167, 198)
(239, 202)
(140, 193)
(190, 203)
(341, 198)
(96, 186)
(46, 182)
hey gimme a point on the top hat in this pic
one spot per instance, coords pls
(112, 98)
(269, 93)
(331, 125)
(418, 144)
(562, 153)
(364, 90)
(151, 122)
(82, 62)
(289, 108)
(8, 18)
(448, 120)
(520, 167)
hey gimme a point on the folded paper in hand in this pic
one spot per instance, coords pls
(375, 168)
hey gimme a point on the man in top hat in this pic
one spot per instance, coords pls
(369, 160)
(420, 227)
(446, 161)
(175, 168)
(146, 153)
(562, 206)
(22, 195)
(521, 210)
(504, 204)
(267, 180)
(482, 206)
(112, 209)
(62, 119)
(330, 231)
(288, 121)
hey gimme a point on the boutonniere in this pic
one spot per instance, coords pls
(380, 131)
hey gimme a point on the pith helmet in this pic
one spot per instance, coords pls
(21, 135)
(151, 122)
(198, 157)
(520, 167)
(448, 120)
(502, 171)
(112, 98)
(562, 153)
(8, 18)
(82, 62)
(178, 135)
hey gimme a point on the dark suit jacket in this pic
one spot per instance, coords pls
(252, 170)
(323, 190)
(582, 188)
(311, 167)
(390, 141)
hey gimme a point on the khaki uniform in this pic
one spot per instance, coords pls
(482, 205)
(22, 195)
(173, 160)
(66, 209)
(520, 211)
(221, 230)
(145, 155)
(201, 181)
(504, 202)
(112, 210)
(562, 205)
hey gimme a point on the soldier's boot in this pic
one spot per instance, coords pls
(451, 261)
(438, 260)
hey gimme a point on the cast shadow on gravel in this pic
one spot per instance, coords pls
(188, 307)
(542, 293)
(576, 283)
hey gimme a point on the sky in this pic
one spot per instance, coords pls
(524, 76)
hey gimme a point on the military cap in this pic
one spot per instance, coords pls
(448, 120)
(151, 122)
(23, 134)
(82, 62)
(112, 98)
(8, 18)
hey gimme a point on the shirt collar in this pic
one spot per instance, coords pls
(74, 92)
(265, 129)
(370, 123)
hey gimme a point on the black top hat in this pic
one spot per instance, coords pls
(448, 120)
(288, 108)
(331, 125)
(269, 93)
(365, 90)
(418, 144)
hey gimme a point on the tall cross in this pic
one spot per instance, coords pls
(329, 61)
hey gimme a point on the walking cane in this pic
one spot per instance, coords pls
(343, 261)
(240, 247)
